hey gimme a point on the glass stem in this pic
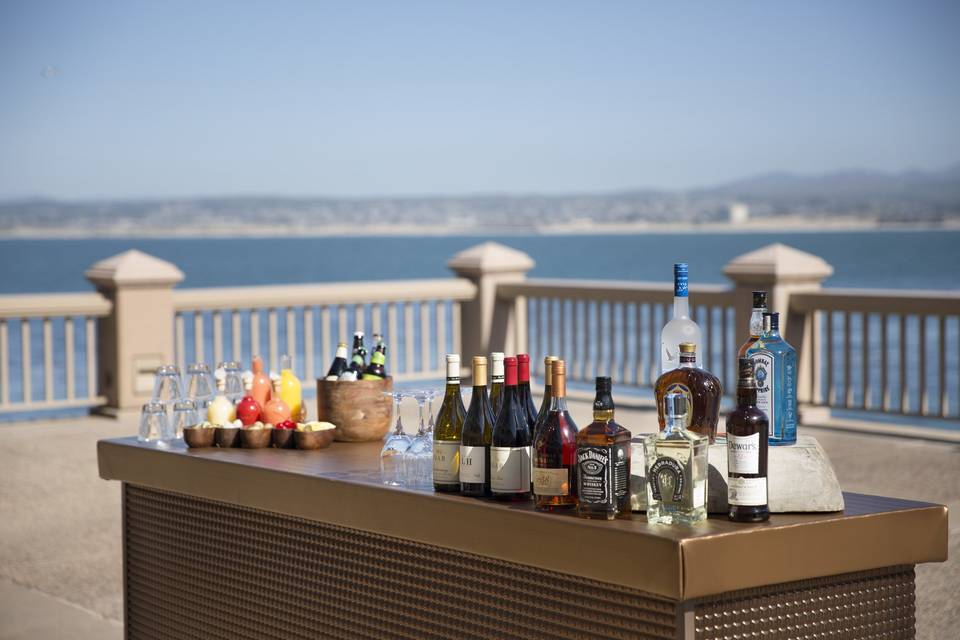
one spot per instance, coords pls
(423, 425)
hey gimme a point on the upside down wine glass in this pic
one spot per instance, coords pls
(394, 447)
(418, 458)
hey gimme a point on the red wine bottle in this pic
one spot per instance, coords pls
(510, 444)
(523, 388)
(477, 435)
(555, 449)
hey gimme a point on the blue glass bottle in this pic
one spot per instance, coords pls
(775, 368)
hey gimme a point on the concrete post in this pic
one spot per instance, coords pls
(137, 336)
(781, 271)
(489, 324)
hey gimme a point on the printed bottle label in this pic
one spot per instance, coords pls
(446, 462)
(473, 464)
(595, 475)
(621, 471)
(551, 482)
(510, 469)
(743, 453)
(763, 371)
(747, 492)
(666, 481)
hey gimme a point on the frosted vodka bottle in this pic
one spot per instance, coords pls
(680, 328)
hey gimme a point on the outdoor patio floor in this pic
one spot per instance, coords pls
(60, 555)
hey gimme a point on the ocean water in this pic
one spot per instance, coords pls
(896, 259)
(886, 259)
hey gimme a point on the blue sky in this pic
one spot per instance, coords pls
(161, 99)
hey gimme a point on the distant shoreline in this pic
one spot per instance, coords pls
(760, 225)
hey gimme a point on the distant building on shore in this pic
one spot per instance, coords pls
(738, 213)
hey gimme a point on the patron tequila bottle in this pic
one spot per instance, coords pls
(701, 388)
(775, 368)
(675, 461)
(680, 328)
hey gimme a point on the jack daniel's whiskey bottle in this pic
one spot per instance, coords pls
(603, 461)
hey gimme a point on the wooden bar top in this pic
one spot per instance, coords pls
(341, 485)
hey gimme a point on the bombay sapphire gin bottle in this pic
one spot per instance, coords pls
(675, 461)
(775, 370)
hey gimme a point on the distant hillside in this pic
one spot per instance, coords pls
(882, 198)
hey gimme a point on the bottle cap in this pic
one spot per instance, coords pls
(358, 334)
(523, 367)
(759, 299)
(510, 371)
(688, 347)
(680, 271)
(497, 356)
(558, 378)
(479, 371)
(745, 374)
(604, 384)
(675, 405)
(453, 357)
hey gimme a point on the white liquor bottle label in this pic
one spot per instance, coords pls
(473, 464)
(595, 475)
(551, 482)
(510, 469)
(743, 453)
(747, 492)
(763, 371)
(446, 462)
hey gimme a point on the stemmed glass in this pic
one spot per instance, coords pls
(394, 447)
(233, 384)
(419, 456)
(431, 394)
(167, 387)
(200, 387)
(154, 426)
(184, 415)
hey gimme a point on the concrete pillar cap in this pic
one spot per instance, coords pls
(133, 267)
(490, 257)
(780, 263)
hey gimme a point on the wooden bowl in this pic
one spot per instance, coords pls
(283, 438)
(310, 440)
(199, 438)
(228, 438)
(255, 438)
(360, 409)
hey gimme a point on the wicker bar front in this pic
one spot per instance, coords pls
(201, 569)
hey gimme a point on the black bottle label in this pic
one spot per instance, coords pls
(666, 480)
(595, 467)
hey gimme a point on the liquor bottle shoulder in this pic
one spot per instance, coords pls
(748, 420)
(603, 432)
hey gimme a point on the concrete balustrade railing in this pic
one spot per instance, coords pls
(874, 350)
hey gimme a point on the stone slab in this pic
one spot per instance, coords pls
(800, 479)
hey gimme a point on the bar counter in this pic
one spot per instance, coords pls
(234, 543)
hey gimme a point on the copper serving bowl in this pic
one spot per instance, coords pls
(255, 438)
(310, 440)
(227, 438)
(198, 438)
(283, 438)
